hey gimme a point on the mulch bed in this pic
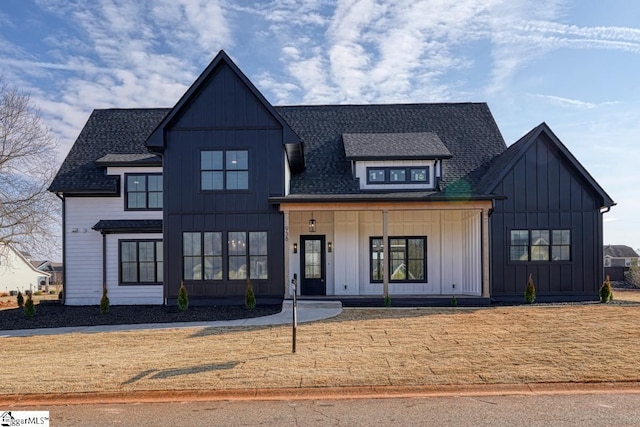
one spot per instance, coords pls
(55, 315)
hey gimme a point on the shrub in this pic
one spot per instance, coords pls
(37, 293)
(104, 301)
(52, 292)
(20, 299)
(530, 291)
(29, 306)
(633, 275)
(606, 293)
(387, 301)
(183, 298)
(454, 301)
(249, 296)
(61, 295)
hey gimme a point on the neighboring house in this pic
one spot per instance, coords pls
(17, 273)
(617, 260)
(51, 267)
(424, 200)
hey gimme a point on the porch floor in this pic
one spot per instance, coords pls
(400, 300)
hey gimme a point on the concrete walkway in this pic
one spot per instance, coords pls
(307, 311)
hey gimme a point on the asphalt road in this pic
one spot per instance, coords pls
(607, 409)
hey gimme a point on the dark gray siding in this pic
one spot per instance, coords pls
(543, 191)
(223, 114)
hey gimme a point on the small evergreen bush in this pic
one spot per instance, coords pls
(104, 301)
(183, 298)
(250, 296)
(20, 299)
(29, 306)
(61, 295)
(606, 293)
(530, 291)
(387, 301)
(454, 301)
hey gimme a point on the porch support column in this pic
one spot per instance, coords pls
(485, 252)
(287, 279)
(385, 254)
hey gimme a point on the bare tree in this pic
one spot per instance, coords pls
(28, 213)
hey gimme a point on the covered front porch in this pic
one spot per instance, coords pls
(434, 249)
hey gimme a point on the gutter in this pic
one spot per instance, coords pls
(64, 248)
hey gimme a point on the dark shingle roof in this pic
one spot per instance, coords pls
(128, 225)
(129, 159)
(467, 130)
(394, 146)
(620, 251)
(110, 131)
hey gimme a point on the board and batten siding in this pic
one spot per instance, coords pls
(543, 191)
(453, 249)
(223, 114)
(83, 251)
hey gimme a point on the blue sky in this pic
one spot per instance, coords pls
(573, 64)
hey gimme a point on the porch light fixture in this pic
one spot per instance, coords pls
(295, 248)
(312, 224)
(330, 247)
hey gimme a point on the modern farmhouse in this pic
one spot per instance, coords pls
(423, 200)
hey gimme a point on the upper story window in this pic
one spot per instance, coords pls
(224, 170)
(398, 175)
(143, 191)
(540, 245)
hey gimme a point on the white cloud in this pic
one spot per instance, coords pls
(560, 101)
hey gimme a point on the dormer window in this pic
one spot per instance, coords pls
(396, 161)
(398, 175)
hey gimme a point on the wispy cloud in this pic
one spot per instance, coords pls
(128, 53)
(121, 53)
(557, 100)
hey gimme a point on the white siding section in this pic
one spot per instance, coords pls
(129, 294)
(346, 254)
(453, 249)
(83, 260)
(361, 174)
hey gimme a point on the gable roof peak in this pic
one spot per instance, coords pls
(502, 163)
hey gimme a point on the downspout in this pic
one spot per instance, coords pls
(64, 249)
(104, 262)
(600, 250)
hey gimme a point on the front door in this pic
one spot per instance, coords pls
(312, 268)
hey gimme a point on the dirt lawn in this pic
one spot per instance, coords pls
(360, 347)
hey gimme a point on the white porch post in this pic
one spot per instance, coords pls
(385, 253)
(287, 279)
(485, 253)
